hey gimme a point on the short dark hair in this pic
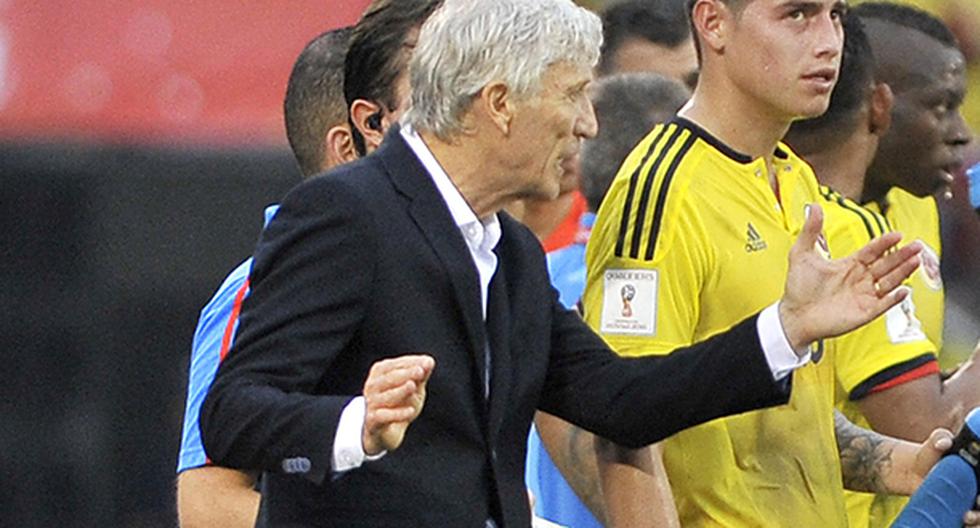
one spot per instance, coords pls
(857, 74)
(908, 17)
(376, 55)
(736, 6)
(626, 107)
(662, 22)
(314, 98)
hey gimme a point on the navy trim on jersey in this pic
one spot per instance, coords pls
(862, 213)
(736, 156)
(634, 179)
(658, 213)
(889, 374)
(641, 210)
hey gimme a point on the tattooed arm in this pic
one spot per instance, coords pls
(881, 464)
(634, 482)
(570, 448)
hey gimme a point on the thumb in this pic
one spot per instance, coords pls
(932, 450)
(812, 227)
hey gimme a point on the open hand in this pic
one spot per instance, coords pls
(826, 298)
(394, 394)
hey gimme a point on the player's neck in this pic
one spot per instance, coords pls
(744, 124)
(839, 171)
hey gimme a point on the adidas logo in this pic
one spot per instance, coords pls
(754, 240)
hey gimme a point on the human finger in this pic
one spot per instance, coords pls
(382, 417)
(884, 284)
(423, 361)
(873, 251)
(886, 263)
(393, 397)
(382, 380)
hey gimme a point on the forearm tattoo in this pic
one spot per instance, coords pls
(583, 477)
(865, 456)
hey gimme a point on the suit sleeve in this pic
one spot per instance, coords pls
(312, 268)
(641, 400)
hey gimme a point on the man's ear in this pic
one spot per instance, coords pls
(366, 116)
(497, 102)
(712, 19)
(880, 114)
(338, 146)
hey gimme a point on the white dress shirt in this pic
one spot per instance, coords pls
(482, 236)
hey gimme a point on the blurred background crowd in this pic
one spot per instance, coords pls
(138, 140)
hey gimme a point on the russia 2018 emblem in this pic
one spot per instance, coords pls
(628, 292)
(629, 302)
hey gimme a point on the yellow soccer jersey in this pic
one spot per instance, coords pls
(864, 369)
(690, 240)
(918, 219)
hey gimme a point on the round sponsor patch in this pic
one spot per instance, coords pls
(929, 269)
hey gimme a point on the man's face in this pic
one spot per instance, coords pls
(637, 55)
(548, 129)
(784, 55)
(927, 137)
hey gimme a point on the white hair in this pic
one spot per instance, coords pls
(467, 44)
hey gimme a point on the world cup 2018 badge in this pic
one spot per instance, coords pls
(628, 292)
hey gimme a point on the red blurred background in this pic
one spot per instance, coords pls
(153, 71)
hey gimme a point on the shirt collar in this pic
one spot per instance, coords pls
(483, 234)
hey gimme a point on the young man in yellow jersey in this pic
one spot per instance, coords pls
(693, 236)
(888, 376)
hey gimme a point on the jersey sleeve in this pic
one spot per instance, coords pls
(651, 307)
(890, 350)
(212, 339)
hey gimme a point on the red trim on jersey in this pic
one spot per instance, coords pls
(236, 309)
(232, 319)
(928, 369)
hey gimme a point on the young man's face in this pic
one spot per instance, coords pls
(785, 54)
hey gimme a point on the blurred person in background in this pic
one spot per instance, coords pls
(318, 134)
(376, 84)
(648, 36)
(626, 107)
(638, 36)
(368, 63)
(894, 158)
(707, 206)
(887, 373)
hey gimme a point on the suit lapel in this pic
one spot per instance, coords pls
(430, 214)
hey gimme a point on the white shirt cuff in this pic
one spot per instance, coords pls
(348, 452)
(780, 356)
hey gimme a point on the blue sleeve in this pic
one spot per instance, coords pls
(205, 356)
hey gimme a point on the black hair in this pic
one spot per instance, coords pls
(662, 22)
(857, 73)
(314, 98)
(376, 56)
(908, 17)
(627, 107)
(735, 5)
